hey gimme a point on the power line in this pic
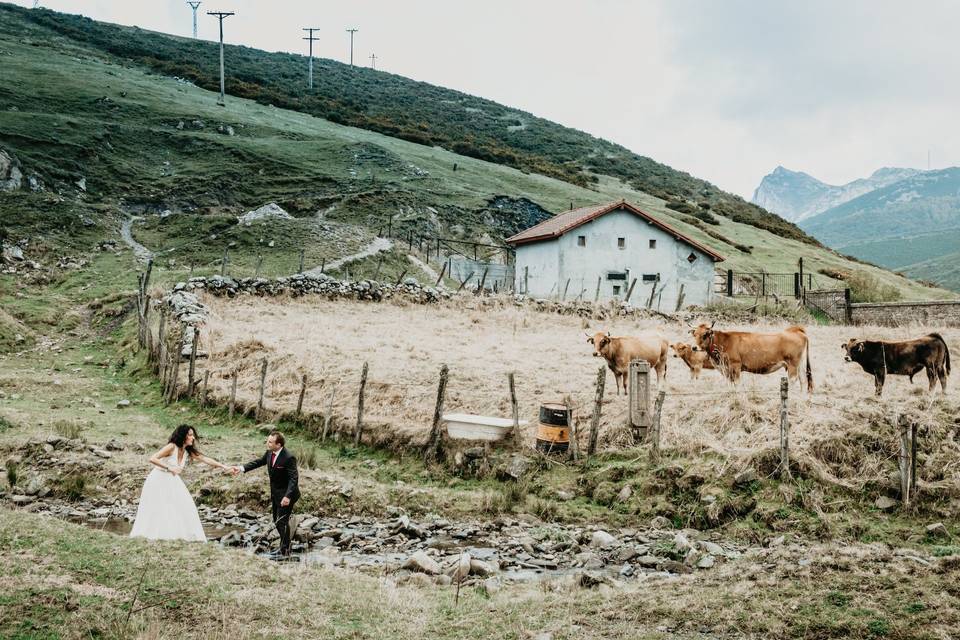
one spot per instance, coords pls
(311, 39)
(221, 15)
(351, 32)
(373, 60)
(194, 6)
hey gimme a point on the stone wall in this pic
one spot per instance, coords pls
(944, 313)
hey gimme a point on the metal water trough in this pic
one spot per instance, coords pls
(468, 426)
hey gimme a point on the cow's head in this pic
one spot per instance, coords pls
(682, 350)
(702, 335)
(599, 341)
(852, 349)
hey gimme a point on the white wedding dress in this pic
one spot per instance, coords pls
(166, 510)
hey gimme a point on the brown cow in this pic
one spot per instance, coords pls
(692, 357)
(736, 351)
(905, 358)
(620, 351)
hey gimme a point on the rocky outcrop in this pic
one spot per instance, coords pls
(11, 178)
(270, 210)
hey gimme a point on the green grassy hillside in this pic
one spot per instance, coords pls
(74, 116)
(406, 109)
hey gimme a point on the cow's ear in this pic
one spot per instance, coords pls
(608, 334)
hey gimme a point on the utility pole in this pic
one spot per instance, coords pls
(194, 6)
(310, 39)
(373, 60)
(221, 15)
(351, 32)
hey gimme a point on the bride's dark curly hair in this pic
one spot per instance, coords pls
(179, 438)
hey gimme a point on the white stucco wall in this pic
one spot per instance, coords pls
(550, 263)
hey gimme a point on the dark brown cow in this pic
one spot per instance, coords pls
(692, 357)
(736, 351)
(620, 351)
(904, 358)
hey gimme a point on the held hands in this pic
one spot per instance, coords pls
(232, 470)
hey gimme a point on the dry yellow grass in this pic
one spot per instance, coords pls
(841, 433)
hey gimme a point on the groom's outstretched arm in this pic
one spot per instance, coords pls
(253, 464)
(293, 477)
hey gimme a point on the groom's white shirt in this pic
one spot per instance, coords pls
(271, 453)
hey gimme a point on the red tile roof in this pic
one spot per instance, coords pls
(569, 220)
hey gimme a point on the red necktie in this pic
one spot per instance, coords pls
(273, 458)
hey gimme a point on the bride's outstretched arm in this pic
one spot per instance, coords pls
(211, 462)
(158, 459)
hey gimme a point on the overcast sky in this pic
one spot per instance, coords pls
(725, 90)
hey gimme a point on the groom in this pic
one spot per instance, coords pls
(284, 489)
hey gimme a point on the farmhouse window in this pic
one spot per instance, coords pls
(581, 241)
(616, 290)
(616, 275)
(651, 277)
(621, 243)
(653, 244)
(692, 257)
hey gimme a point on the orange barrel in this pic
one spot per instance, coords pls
(553, 429)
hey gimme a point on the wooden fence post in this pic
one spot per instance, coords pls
(597, 408)
(203, 393)
(263, 384)
(433, 444)
(400, 279)
(176, 368)
(680, 298)
(653, 293)
(565, 287)
(359, 430)
(655, 428)
(515, 411)
(233, 392)
(913, 458)
(596, 296)
(729, 283)
(526, 280)
(328, 416)
(574, 436)
(905, 464)
(161, 337)
(300, 270)
(639, 398)
(847, 309)
(630, 290)
(303, 391)
(483, 281)
(440, 277)
(784, 431)
(193, 361)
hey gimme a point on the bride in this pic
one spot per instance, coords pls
(166, 510)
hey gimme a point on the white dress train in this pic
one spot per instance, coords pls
(166, 510)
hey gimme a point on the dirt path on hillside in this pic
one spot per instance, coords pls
(126, 232)
(426, 268)
(377, 245)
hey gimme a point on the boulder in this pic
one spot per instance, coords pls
(625, 493)
(422, 563)
(123, 404)
(481, 568)
(660, 522)
(603, 540)
(885, 503)
(11, 177)
(461, 568)
(270, 210)
(936, 530)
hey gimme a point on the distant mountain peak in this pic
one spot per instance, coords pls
(796, 195)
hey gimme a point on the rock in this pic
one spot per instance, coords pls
(625, 493)
(711, 547)
(11, 177)
(491, 585)
(123, 404)
(936, 530)
(517, 466)
(461, 568)
(481, 568)
(744, 477)
(588, 560)
(885, 504)
(418, 580)
(442, 580)
(113, 445)
(12, 253)
(706, 562)
(36, 486)
(648, 562)
(626, 554)
(602, 540)
(81, 184)
(270, 210)
(660, 522)
(590, 579)
(423, 563)
(564, 496)
(682, 542)
(100, 453)
(22, 500)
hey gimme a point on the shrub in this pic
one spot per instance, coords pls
(706, 216)
(72, 487)
(309, 458)
(68, 429)
(866, 288)
(12, 473)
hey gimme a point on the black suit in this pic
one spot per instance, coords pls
(283, 484)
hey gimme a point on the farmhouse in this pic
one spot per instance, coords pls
(600, 250)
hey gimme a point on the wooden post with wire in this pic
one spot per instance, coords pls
(784, 431)
(639, 392)
(263, 386)
(302, 252)
(193, 361)
(596, 296)
(630, 290)
(233, 392)
(328, 416)
(574, 436)
(907, 459)
(172, 397)
(206, 383)
(654, 436)
(303, 391)
(597, 408)
(358, 432)
(515, 411)
(433, 443)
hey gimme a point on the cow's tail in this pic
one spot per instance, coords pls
(946, 349)
(809, 372)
